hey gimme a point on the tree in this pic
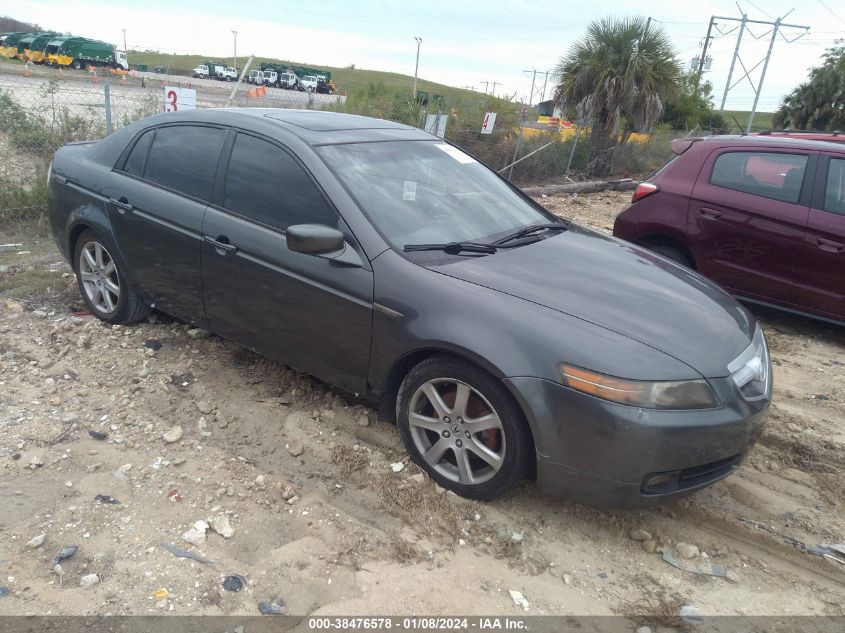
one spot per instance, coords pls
(819, 103)
(619, 75)
(692, 105)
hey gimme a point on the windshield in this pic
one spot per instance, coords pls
(418, 192)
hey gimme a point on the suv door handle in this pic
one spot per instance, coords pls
(122, 205)
(711, 214)
(221, 244)
(830, 245)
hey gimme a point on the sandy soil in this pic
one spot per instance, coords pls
(302, 476)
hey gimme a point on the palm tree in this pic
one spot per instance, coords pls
(620, 73)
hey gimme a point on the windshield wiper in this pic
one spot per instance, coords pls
(530, 230)
(453, 248)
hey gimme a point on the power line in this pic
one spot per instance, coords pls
(831, 11)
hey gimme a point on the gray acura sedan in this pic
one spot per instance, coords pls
(505, 342)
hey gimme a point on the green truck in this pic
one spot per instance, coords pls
(9, 43)
(31, 47)
(81, 52)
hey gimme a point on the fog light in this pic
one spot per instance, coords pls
(660, 482)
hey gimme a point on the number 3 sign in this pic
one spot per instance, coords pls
(178, 99)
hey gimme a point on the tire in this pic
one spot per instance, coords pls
(112, 300)
(501, 433)
(77, 64)
(670, 252)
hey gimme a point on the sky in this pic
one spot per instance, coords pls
(465, 43)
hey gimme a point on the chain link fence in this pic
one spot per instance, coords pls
(43, 108)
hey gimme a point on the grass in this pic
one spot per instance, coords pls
(762, 120)
(348, 80)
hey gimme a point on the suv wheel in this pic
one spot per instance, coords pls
(670, 252)
(462, 427)
(103, 286)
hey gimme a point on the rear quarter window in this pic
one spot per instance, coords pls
(768, 174)
(834, 195)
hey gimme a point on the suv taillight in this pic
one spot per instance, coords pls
(644, 189)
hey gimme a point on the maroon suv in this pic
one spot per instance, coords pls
(763, 216)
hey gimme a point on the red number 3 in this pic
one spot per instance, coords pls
(171, 94)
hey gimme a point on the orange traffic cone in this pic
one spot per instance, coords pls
(61, 73)
(123, 81)
(26, 69)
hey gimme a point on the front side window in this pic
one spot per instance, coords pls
(768, 174)
(834, 192)
(184, 158)
(137, 159)
(419, 192)
(264, 183)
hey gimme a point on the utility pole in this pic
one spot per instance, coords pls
(733, 61)
(706, 45)
(744, 22)
(417, 67)
(495, 83)
(125, 50)
(235, 50)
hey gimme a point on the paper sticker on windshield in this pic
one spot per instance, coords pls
(455, 153)
(409, 190)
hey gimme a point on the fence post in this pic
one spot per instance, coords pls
(516, 150)
(107, 100)
(572, 153)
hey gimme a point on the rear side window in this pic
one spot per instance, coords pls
(184, 158)
(767, 174)
(834, 192)
(137, 158)
(264, 183)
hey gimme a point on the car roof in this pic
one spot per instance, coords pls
(314, 127)
(775, 141)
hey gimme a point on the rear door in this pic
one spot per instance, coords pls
(158, 195)
(306, 311)
(748, 216)
(820, 283)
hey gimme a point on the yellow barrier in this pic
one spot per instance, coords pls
(8, 51)
(567, 133)
(64, 60)
(35, 56)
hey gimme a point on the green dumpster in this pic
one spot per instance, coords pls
(161, 70)
(141, 68)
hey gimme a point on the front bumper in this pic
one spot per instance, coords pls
(605, 454)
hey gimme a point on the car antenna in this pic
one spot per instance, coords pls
(744, 133)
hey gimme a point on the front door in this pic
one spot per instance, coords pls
(157, 199)
(305, 311)
(748, 212)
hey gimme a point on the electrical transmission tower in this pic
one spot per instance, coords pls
(743, 28)
(538, 91)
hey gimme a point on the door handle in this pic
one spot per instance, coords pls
(711, 214)
(221, 243)
(122, 205)
(830, 245)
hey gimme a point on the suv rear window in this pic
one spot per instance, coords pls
(767, 174)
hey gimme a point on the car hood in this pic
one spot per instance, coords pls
(620, 287)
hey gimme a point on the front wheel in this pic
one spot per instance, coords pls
(103, 285)
(77, 64)
(463, 428)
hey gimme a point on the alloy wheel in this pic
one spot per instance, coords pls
(98, 274)
(457, 431)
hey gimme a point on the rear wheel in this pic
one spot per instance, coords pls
(675, 254)
(77, 64)
(103, 285)
(462, 427)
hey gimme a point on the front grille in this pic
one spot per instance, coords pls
(676, 480)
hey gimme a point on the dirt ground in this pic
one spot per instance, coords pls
(298, 484)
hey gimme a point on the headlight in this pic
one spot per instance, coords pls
(675, 394)
(750, 370)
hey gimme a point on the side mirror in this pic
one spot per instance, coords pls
(314, 239)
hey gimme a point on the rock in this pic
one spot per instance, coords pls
(364, 420)
(196, 332)
(644, 629)
(417, 479)
(296, 450)
(98, 435)
(70, 418)
(88, 581)
(518, 599)
(178, 461)
(234, 583)
(221, 525)
(152, 344)
(517, 537)
(35, 462)
(640, 535)
(691, 614)
(567, 579)
(649, 546)
(685, 550)
(292, 500)
(276, 607)
(205, 406)
(260, 482)
(173, 435)
(732, 576)
(36, 541)
(196, 534)
(397, 467)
